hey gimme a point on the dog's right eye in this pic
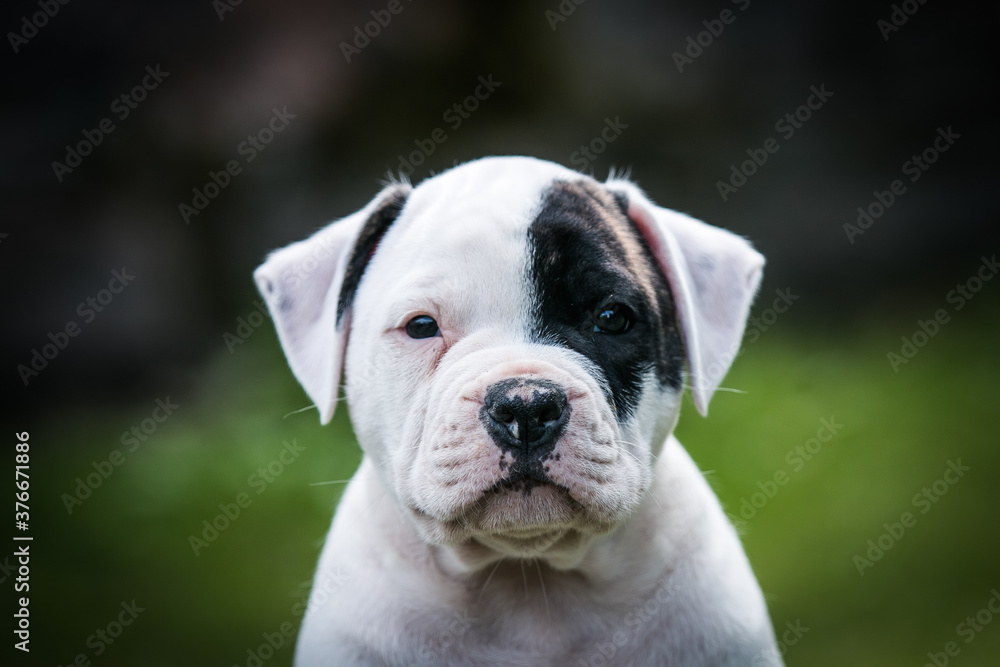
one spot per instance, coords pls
(422, 326)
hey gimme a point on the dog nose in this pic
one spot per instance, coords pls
(524, 414)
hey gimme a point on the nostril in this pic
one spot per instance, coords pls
(502, 414)
(550, 412)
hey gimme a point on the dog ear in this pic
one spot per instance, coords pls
(309, 286)
(714, 275)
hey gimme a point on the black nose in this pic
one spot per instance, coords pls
(525, 415)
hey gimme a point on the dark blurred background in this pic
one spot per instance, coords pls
(681, 93)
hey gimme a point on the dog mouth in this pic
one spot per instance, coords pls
(523, 476)
(520, 485)
(523, 504)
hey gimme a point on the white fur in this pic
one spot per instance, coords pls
(633, 564)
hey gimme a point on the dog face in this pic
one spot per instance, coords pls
(515, 337)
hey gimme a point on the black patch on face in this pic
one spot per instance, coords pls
(371, 233)
(578, 265)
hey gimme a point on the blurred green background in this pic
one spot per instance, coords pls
(682, 128)
(899, 432)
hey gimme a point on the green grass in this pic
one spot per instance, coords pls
(129, 540)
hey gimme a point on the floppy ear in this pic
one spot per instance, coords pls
(309, 285)
(714, 275)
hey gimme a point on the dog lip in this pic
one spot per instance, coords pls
(525, 485)
(523, 482)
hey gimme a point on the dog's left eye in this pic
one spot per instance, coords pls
(612, 319)
(422, 326)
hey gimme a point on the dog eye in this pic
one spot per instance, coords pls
(612, 319)
(422, 326)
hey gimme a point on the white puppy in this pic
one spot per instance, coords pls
(515, 337)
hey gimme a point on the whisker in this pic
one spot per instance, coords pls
(492, 572)
(542, 582)
(525, 577)
(736, 391)
(300, 410)
(334, 481)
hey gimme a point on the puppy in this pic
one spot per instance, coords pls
(515, 338)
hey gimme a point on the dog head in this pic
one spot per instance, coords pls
(514, 336)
